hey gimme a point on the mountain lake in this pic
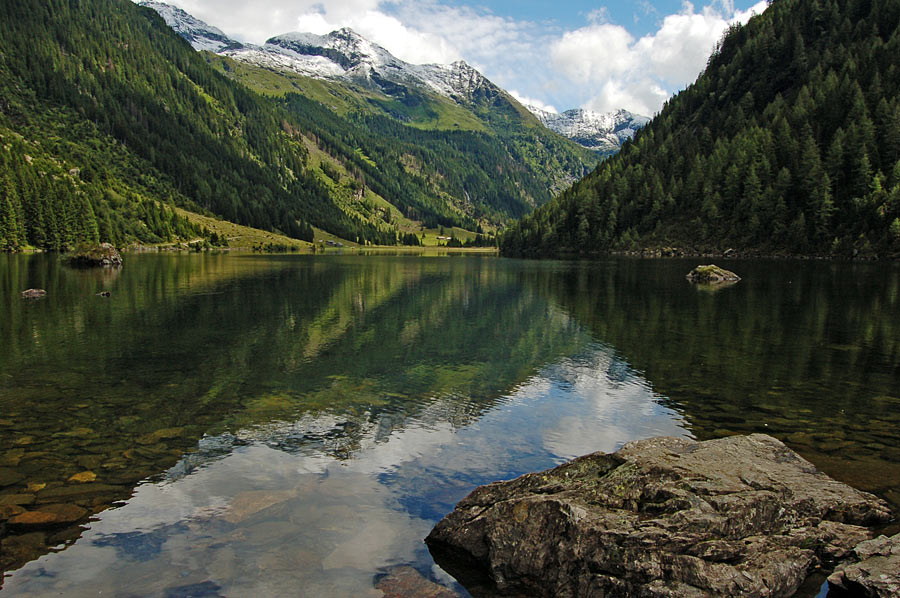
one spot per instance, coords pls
(259, 425)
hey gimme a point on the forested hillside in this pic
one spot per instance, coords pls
(81, 78)
(108, 120)
(788, 143)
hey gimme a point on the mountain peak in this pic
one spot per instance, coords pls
(346, 33)
(200, 35)
(603, 132)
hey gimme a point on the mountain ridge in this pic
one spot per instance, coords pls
(345, 55)
(603, 132)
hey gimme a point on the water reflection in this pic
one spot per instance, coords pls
(271, 508)
(263, 424)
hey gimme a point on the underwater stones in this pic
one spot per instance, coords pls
(16, 499)
(712, 274)
(48, 516)
(161, 434)
(662, 517)
(405, 582)
(9, 477)
(7, 511)
(875, 570)
(83, 477)
(92, 256)
(33, 293)
(78, 493)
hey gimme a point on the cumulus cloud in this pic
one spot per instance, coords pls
(533, 102)
(639, 74)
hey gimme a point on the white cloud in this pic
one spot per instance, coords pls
(640, 74)
(534, 103)
(640, 95)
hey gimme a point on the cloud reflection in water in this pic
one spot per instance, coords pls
(323, 505)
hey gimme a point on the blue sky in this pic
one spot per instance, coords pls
(553, 55)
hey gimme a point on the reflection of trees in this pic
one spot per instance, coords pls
(807, 352)
(191, 345)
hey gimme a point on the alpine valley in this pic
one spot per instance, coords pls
(117, 130)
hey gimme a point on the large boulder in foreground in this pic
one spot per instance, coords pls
(663, 517)
(712, 274)
(91, 256)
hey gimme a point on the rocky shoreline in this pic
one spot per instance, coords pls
(666, 517)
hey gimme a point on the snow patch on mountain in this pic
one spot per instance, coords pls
(345, 55)
(200, 35)
(598, 131)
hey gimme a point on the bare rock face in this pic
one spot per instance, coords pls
(663, 517)
(876, 573)
(712, 274)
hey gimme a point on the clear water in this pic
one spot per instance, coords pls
(269, 426)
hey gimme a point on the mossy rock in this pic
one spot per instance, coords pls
(93, 256)
(711, 274)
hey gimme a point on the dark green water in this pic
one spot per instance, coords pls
(295, 425)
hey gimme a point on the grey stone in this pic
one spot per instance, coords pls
(873, 571)
(738, 516)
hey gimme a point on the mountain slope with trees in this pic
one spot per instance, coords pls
(789, 142)
(109, 120)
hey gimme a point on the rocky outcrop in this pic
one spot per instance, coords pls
(875, 572)
(90, 256)
(34, 293)
(712, 274)
(664, 517)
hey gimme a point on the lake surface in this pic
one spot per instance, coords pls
(233, 425)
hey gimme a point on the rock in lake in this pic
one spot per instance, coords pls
(34, 294)
(405, 582)
(90, 256)
(876, 572)
(49, 516)
(663, 517)
(711, 274)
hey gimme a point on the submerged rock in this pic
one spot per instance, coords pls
(49, 516)
(89, 256)
(711, 274)
(663, 517)
(876, 572)
(405, 582)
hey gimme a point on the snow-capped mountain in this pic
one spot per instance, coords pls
(341, 55)
(345, 55)
(601, 132)
(200, 35)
